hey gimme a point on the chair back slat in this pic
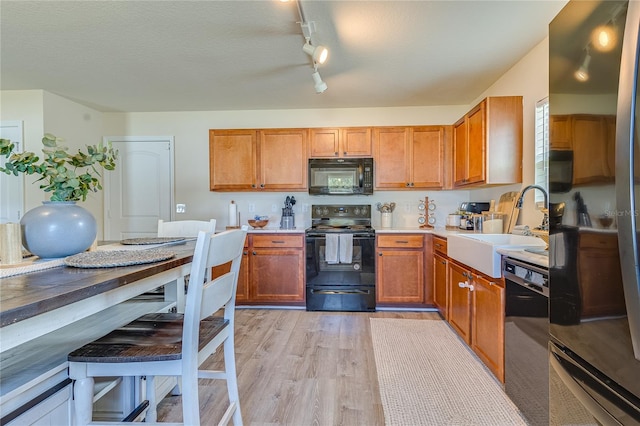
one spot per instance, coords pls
(185, 228)
(217, 294)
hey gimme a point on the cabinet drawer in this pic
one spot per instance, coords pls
(440, 245)
(401, 241)
(277, 240)
(599, 241)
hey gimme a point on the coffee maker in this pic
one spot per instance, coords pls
(469, 211)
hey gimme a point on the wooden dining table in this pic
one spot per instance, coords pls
(46, 314)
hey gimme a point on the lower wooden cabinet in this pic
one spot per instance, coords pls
(460, 300)
(272, 270)
(487, 332)
(476, 313)
(400, 270)
(440, 276)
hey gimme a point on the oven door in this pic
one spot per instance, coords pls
(340, 286)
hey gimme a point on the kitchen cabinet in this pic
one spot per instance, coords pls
(487, 330)
(274, 271)
(258, 160)
(440, 275)
(460, 300)
(560, 132)
(592, 145)
(487, 143)
(340, 142)
(599, 275)
(476, 313)
(400, 270)
(410, 157)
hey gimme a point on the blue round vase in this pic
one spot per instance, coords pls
(58, 229)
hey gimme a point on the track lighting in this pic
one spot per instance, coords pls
(320, 85)
(582, 73)
(319, 54)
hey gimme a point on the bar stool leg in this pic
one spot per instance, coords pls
(83, 400)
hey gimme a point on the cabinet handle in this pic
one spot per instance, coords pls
(444, 262)
(277, 242)
(464, 274)
(438, 245)
(402, 242)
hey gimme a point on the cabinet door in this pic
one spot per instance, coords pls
(324, 142)
(427, 157)
(400, 276)
(282, 155)
(277, 275)
(391, 156)
(440, 274)
(460, 300)
(232, 160)
(488, 323)
(560, 132)
(242, 293)
(355, 142)
(460, 152)
(476, 144)
(589, 136)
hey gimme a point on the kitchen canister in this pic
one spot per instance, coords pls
(493, 222)
(386, 219)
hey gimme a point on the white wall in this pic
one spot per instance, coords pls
(530, 79)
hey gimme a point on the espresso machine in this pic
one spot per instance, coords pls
(469, 212)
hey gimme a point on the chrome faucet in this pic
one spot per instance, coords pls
(545, 220)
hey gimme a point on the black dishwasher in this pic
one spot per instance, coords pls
(526, 338)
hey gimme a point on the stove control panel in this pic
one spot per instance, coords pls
(341, 211)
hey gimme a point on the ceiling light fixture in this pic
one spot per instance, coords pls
(320, 85)
(582, 73)
(319, 54)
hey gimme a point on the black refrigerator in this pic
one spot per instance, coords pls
(594, 275)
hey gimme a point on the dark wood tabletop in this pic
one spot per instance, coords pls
(28, 295)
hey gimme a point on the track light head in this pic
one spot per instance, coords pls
(582, 73)
(320, 85)
(319, 54)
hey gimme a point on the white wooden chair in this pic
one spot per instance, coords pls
(188, 229)
(185, 228)
(171, 344)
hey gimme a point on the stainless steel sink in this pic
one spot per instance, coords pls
(479, 251)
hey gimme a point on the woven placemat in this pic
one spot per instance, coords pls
(108, 259)
(151, 240)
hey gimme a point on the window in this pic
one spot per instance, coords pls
(542, 148)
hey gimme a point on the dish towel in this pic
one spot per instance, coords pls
(331, 248)
(346, 248)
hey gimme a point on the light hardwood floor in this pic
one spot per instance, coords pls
(299, 368)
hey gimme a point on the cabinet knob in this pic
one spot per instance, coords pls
(444, 262)
(407, 184)
(245, 252)
(254, 253)
(379, 254)
(335, 153)
(344, 153)
(262, 185)
(411, 184)
(253, 185)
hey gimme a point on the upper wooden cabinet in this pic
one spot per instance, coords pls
(487, 143)
(340, 142)
(409, 157)
(592, 139)
(249, 160)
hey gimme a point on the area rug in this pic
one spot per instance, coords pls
(428, 376)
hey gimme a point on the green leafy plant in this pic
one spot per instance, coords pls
(68, 177)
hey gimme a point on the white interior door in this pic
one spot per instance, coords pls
(140, 190)
(11, 187)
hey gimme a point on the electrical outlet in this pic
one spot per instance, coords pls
(181, 208)
(274, 208)
(252, 207)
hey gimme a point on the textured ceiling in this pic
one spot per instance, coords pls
(239, 55)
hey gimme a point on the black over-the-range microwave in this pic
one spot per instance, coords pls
(341, 176)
